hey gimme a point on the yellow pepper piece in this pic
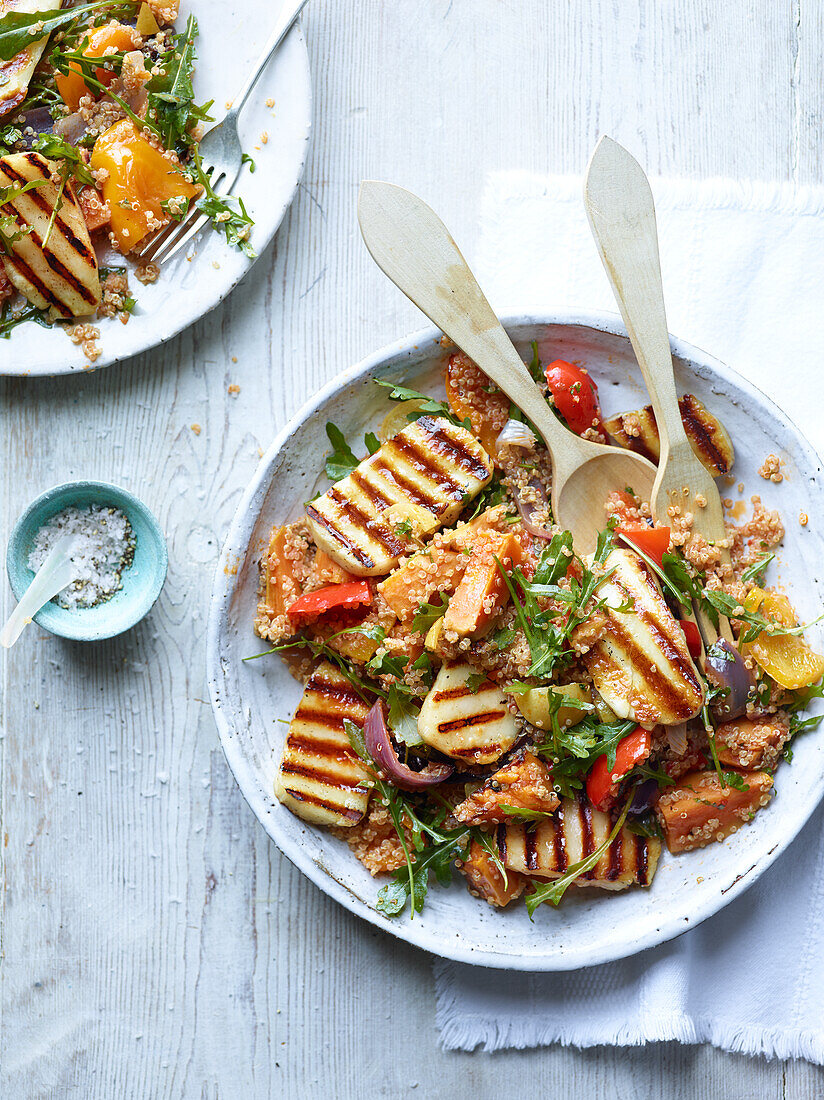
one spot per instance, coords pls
(113, 36)
(139, 179)
(786, 658)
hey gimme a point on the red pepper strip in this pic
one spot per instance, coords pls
(632, 749)
(692, 635)
(335, 597)
(654, 541)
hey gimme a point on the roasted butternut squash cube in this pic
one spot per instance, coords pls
(752, 744)
(438, 568)
(524, 783)
(483, 590)
(700, 810)
(485, 880)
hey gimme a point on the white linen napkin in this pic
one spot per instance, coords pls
(743, 268)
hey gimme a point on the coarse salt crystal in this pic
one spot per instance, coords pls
(104, 547)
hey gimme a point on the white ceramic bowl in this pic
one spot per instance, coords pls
(252, 700)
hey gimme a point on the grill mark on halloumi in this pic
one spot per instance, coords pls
(447, 445)
(320, 777)
(707, 435)
(363, 558)
(642, 862)
(70, 286)
(461, 691)
(34, 196)
(318, 745)
(330, 808)
(406, 485)
(575, 833)
(369, 490)
(641, 664)
(465, 725)
(470, 720)
(665, 642)
(305, 770)
(423, 477)
(45, 292)
(379, 531)
(500, 840)
(423, 464)
(60, 269)
(425, 469)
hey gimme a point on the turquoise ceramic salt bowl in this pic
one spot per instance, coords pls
(142, 580)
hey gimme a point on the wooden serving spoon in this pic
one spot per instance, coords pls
(621, 212)
(410, 243)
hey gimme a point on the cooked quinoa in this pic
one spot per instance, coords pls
(488, 699)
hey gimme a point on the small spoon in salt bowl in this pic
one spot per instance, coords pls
(56, 572)
(411, 245)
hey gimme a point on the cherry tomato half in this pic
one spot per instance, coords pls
(575, 395)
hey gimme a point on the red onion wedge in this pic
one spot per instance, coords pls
(517, 434)
(644, 797)
(378, 741)
(528, 508)
(71, 128)
(724, 666)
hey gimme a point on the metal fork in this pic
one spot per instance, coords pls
(220, 152)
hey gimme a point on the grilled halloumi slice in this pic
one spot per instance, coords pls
(637, 431)
(16, 73)
(320, 777)
(421, 478)
(61, 276)
(476, 727)
(640, 664)
(573, 833)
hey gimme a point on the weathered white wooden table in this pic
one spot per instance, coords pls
(155, 943)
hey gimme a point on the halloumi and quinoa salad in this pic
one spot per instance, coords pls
(99, 132)
(480, 697)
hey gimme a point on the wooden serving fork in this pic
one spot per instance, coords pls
(621, 212)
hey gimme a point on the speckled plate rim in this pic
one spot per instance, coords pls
(794, 815)
(56, 620)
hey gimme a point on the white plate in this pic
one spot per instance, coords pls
(231, 38)
(252, 700)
